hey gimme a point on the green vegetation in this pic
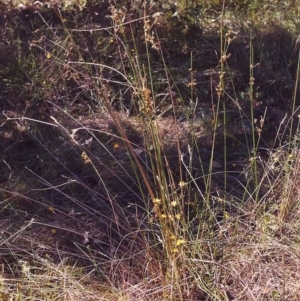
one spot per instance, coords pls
(150, 151)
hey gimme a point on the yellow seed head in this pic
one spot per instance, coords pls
(174, 203)
(157, 201)
(180, 242)
(182, 184)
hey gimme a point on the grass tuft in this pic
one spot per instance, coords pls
(149, 151)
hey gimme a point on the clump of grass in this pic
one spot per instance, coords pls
(151, 185)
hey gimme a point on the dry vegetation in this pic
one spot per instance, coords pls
(150, 151)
